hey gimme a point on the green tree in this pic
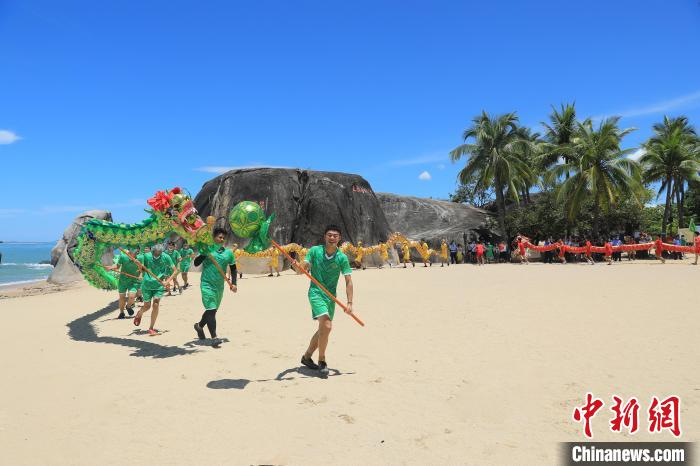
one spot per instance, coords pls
(601, 172)
(558, 136)
(470, 193)
(494, 157)
(671, 157)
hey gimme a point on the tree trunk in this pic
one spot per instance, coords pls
(679, 203)
(667, 207)
(501, 206)
(596, 219)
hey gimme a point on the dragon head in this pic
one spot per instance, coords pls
(177, 206)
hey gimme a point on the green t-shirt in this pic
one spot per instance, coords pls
(127, 265)
(327, 271)
(174, 255)
(186, 255)
(162, 266)
(210, 274)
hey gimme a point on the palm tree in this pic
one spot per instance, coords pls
(671, 157)
(494, 157)
(558, 134)
(531, 154)
(601, 173)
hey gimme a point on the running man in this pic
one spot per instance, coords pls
(406, 250)
(444, 255)
(326, 263)
(384, 255)
(274, 264)
(659, 249)
(608, 252)
(186, 256)
(359, 255)
(480, 249)
(212, 283)
(175, 257)
(426, 254)
(521, 250)
(697, 247)
(151, 288)
(128, 281)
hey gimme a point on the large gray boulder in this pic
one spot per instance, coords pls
(65, 271)
(303, 201)
(70, 234)
(434, 220)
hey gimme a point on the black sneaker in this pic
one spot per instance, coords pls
(130, 310)
(308, 362)
(200, 332)
(121, 316)
(323, 367)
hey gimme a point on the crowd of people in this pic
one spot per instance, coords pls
(482, 251)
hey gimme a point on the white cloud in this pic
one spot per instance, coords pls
(222, 169)
(425, 176)
(8, 137)
(441, 166)
(656, 108)
(637, 154)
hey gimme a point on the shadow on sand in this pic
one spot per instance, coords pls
(82, 329)
(303, 372)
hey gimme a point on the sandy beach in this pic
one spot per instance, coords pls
(457, 365)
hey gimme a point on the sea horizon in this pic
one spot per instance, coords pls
(24, 262)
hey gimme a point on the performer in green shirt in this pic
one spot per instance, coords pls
(152, 288)
(128, 281)
(326, 262)
(212, 282)
(175, 257)
(186, 254)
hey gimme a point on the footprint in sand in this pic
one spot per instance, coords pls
(346, 418)
(309, 401)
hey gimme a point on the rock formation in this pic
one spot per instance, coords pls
(433, 220)
(304, 202)
(65, 271)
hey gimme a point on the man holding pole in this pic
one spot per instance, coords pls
(214, 262)
(326, 263)
(159, 270)
(128, 282)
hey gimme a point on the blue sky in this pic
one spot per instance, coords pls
(103, 103)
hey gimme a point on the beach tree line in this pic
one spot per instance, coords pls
(575, 176)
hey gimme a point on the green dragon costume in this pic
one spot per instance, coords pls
(172, 212)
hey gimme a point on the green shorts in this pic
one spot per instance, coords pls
(211, 296)
(321, 304)
(184, 267)
(150, 294)
(128, 285)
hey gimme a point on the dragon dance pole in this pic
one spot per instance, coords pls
(130, 256)
(330, 295)
(221, 272)
(127, 274)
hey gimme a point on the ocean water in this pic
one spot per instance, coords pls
(21, 262)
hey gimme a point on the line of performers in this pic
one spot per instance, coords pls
(149, 273)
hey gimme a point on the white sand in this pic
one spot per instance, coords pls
(458, 365)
